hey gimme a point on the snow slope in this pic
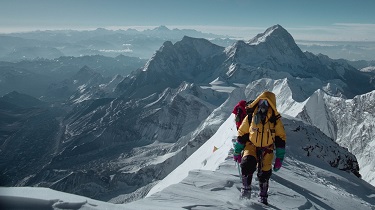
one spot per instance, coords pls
(209, 179)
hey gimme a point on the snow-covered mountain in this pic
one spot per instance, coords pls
(117, 145)
(353, 126)
(107, 141)
(275, 50)
(76, 88)
(191, 59)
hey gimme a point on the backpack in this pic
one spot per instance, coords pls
(238, 115)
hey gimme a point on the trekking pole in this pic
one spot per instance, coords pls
(238, 165)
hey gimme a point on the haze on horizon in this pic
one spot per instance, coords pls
(336, 20)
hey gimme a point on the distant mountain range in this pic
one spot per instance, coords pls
(51, 44)
(353, 51)
(133, 43)
(107, 137)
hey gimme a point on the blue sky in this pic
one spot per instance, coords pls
(304, 19)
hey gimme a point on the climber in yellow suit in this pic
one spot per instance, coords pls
(257, 139)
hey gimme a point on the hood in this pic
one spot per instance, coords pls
(270, 97)
(242, 103)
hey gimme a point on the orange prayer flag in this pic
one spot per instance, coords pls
(215, 148)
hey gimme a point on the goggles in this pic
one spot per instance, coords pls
(263, 102)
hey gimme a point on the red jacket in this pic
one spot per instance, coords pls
(240, 107)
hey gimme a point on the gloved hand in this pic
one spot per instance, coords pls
(278, 164)
(238, 147)
(237, 158)
(280, 153)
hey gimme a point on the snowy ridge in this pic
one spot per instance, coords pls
(314, 185)
(275, 30)
(354, 125)
(209, 179)
(316, 113)
(202, 159)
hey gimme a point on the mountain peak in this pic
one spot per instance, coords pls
(193, 41)
(85, 68)
(204, 47)
(274, 49)
(85, 73)
(200, 46)
(276, 32)
(161, 28)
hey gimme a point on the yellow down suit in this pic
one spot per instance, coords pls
(265, 135)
